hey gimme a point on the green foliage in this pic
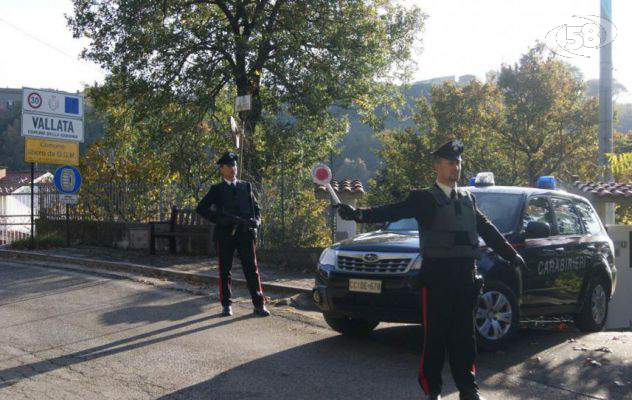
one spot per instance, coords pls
(297, 59)
(549, 120)
(473, 114)
(11, 143)
(41, 242)
(534, 119)
(407, 165)
(292, 216)
(621, 164)
(175, 67)
(131, 160)
(623, 118)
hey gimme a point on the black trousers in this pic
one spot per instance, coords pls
(449, 297)
(245, 245)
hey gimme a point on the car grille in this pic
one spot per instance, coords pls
(381, 266)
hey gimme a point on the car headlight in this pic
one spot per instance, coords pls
(328, 257)
(416, 264)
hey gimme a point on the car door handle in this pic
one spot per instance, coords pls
(559, 249)
(591, 247)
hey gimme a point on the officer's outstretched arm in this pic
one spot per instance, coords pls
(389, 212)
(493, 238)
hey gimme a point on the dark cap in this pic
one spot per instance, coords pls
(229, 158)
(451, 150)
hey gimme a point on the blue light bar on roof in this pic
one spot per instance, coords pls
(546, 182)
(471, 181)
(484, 179)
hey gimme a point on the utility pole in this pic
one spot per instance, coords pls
(605, 103)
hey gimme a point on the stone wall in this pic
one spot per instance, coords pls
(136, 236)
(120, 235)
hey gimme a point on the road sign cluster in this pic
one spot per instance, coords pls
(52, 115)
(52, 124)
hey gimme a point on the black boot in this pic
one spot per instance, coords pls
(471, 395)
(262, 311)
(227, 311)
(433, 397)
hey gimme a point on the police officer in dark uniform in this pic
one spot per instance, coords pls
(233, 208)
(449, 225)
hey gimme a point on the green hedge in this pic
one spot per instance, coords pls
(40, 242)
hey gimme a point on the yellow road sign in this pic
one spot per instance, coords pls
(51, 151)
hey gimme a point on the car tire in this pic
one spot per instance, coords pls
(355, 327)
(496, 316)
(594, 312)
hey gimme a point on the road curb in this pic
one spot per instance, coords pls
(143, 270)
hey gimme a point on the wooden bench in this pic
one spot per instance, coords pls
(183, 223)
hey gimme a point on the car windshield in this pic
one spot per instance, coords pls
(406, 224)
(501, 208)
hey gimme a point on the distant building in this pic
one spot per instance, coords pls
(15, 202)
(9, 98)
(465, 79)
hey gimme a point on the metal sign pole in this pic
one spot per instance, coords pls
(67, 227)
(32, 206)
(242, 143)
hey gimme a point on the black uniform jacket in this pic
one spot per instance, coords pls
(222, 200)
(421, 205)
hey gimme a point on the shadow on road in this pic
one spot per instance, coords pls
(562, 359)
(384, 366)
(10, 376)
(155, 313)
(37, 283)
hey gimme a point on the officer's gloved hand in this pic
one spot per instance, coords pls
(242, 221)
(253, 223)
(230, 219)
(348, 212)
(519, 261)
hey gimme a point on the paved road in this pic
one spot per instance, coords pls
(66, 335)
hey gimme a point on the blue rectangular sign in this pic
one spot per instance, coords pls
(71, 105)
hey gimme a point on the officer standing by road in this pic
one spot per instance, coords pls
(233, 208)
(449, 224)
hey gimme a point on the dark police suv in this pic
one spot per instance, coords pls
(374, 277)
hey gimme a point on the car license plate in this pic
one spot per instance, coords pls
(365, 285)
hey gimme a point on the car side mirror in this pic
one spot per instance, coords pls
(537, 229)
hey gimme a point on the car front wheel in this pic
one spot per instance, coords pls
(496, 316)
(350, 326)
(594, 312)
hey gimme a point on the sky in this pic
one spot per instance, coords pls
(461, 37)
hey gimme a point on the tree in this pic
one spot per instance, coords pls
(623, 117)
(549, 120)
(11, 143)
(292, 216)
(406, 161)
(534, 119)
(293, 57)
(592, 88)
(176, 165)
(472, 113)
